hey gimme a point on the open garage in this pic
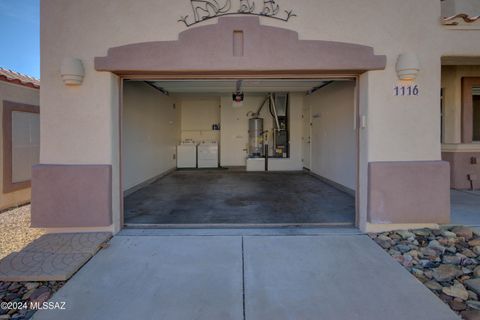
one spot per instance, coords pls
(103, 121)
(275, 152)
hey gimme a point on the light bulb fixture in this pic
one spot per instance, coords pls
(72, 71)
(407, 67)
(238, 97)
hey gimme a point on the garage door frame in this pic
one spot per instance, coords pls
(239, 76)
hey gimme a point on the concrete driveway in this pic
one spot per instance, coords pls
(307, 277)
(465, 207)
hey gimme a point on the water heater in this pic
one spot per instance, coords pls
(255, 138)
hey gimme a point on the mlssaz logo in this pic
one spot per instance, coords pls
(209, 9)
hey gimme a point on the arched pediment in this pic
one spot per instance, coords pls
(240, 45)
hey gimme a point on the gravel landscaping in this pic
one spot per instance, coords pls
(15, 231)
(447, 261)
(21, 298)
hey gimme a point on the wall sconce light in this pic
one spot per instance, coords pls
(407, 66)
(72, 71)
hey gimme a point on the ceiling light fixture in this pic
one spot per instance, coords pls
(238, 96)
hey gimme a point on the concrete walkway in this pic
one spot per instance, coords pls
(306, 277)
(465, 207)
(52, 257)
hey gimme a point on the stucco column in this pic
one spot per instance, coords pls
(408, 184)
(76, 185)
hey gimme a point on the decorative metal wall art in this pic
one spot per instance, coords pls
(208, 9)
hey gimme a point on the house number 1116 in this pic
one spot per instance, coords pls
(406, 90)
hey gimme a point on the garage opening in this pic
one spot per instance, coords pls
(239, 152)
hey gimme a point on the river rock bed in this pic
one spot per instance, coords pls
(28, 292)
(447, 261)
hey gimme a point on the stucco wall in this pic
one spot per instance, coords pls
(406, 27)
(333, 150)
(21, 94)
(198, 114)
(150, 133)
(80, 125)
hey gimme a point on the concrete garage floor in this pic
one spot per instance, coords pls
(232, 197)
(341, 277)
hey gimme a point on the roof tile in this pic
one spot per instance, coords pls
(460, 18)
(18, 78)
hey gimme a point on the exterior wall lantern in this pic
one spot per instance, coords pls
(407, 67)
(72, 71)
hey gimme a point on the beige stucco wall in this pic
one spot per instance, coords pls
(406, 27)
(80, 125)
(150, 133)
(452, 101)
(333, 150)
(198, 114)
(21, 94)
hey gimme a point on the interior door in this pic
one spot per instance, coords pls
(306, 136)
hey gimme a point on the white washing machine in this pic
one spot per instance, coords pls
(187, 155)
(208, 154)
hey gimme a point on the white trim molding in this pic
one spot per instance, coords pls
(461, 147)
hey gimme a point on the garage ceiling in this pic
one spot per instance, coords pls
(229, 86)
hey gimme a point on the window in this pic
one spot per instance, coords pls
(442, 115)
(470, 110)
(476, 113)
(21, 144)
